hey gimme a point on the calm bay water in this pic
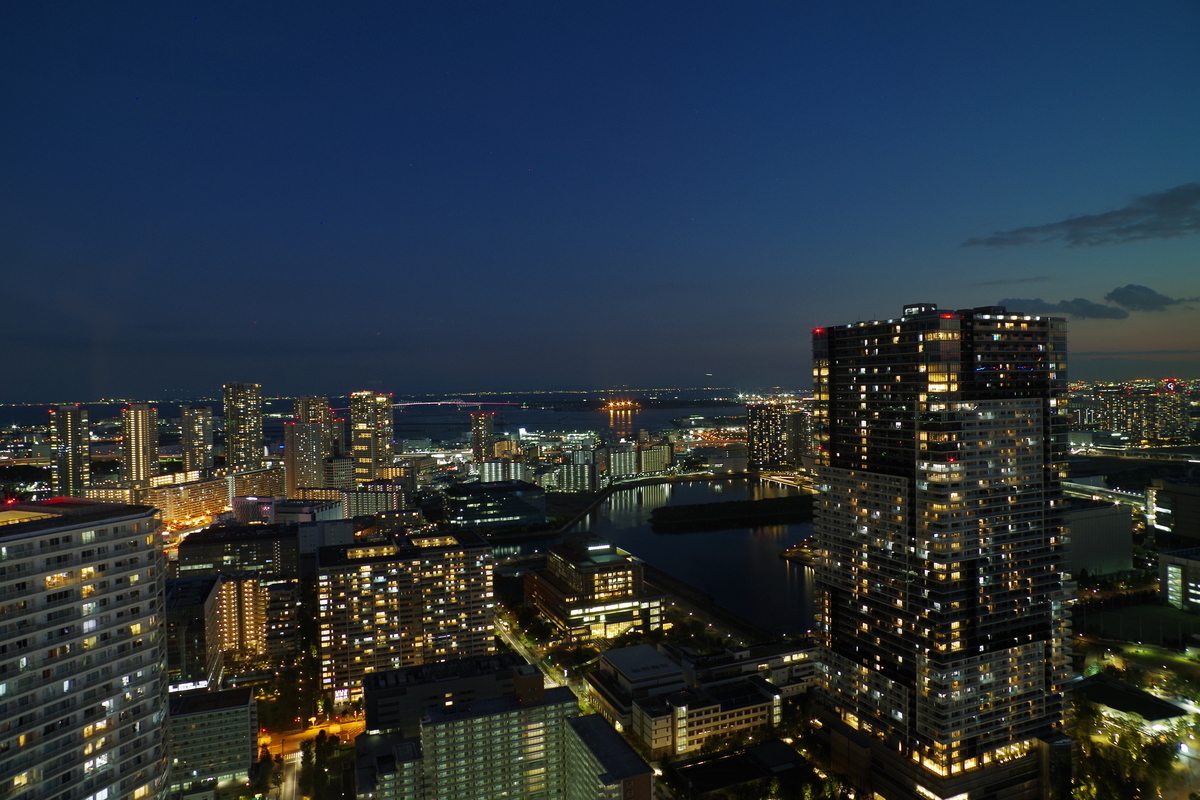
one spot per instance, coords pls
(740, 567)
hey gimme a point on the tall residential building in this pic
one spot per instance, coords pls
(139, 444)
(1150, 414)
(71, 441)
(410, 601)
(371, 439)
(303, 455)
(317, 409)
(196, 437)
(83, 689)
(943, 605)
(767, 435)
(243, 425)
(483, 435)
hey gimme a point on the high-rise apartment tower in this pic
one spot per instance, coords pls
(413, 600)
(71, 440)
(767, 436)
(371, 434)
(303, 455)
(243, 425)
(483, 435)
(83, 685)
(139, 444)
(942, 600)
(196, 437)
(317, 409)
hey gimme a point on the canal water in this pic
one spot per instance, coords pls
(739, 568)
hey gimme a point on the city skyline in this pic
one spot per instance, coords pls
(634, 195)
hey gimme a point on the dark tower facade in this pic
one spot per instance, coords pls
(483, 435)
(71, 440)
(943, 605)
(196, 437)
(767, 439)
(243, 425)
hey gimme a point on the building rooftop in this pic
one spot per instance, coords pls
(184, 592)
(239, 533)
(442, 671)
(640, 662)
(479, 487)
(26, 518)
(1085, 504)
(387, 750)
(588, 550)
(620, 761)
(1105, 690)
(204, 701)
(400, 547)
(756, 653)
(440, 715)
(731, 768)
(741, 693)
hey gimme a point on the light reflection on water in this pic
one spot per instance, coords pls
(740, 568)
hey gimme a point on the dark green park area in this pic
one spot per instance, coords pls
(1148, 623)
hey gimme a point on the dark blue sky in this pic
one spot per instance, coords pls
(502, 196)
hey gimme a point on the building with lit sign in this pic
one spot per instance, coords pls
(194, 653)
(214, 738)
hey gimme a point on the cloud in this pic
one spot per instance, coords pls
(1158, 215)
(1078, 308)
(1037, 279)
(1143, 298)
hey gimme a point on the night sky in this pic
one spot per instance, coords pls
(456, 196)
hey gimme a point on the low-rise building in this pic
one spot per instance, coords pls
(213, 737)
(1179, 578)
(682, 721)
(628, 674)
(591, 588)
(791, 667)
(501, 504)
(1101, 537)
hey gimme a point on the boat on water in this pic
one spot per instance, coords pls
(802, 553)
